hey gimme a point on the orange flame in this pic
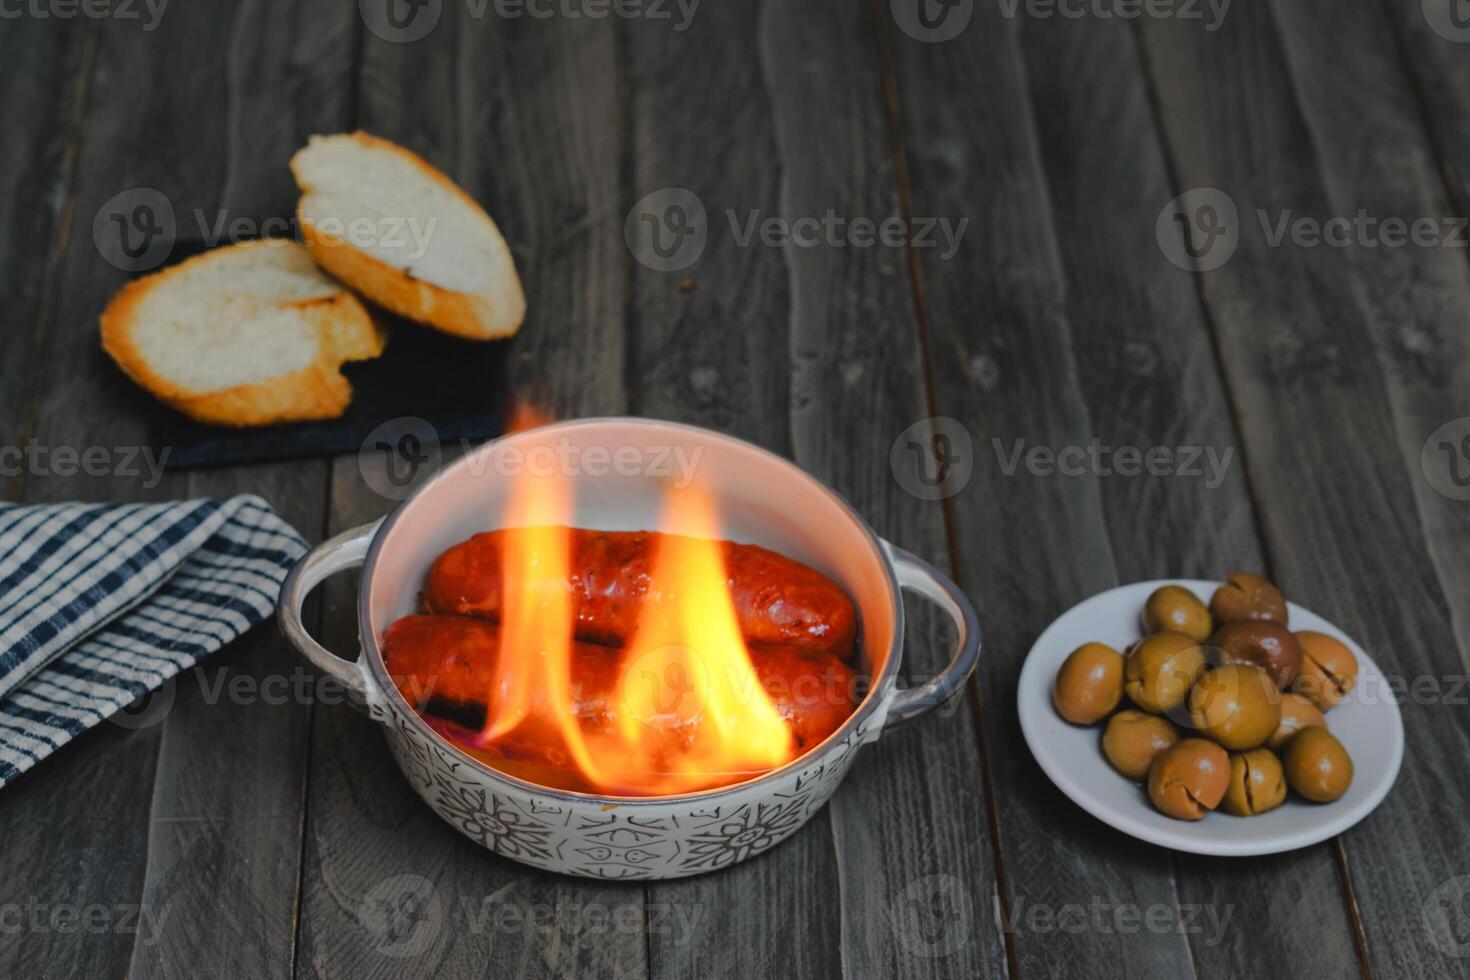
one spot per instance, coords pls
(533, 675)
(689, 710)
(522, 415)
(689, 669)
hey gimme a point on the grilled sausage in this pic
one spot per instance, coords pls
(445, 668)
(777, 600)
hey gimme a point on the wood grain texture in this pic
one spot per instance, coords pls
(203, 809)
(710, 346)
(267, 839)
(1431, 48)
(811, 351)
(1151, 381)
(87, 807)
(229, 794)
(911, 904)
(1416, 299)
(1058, 860)
(1007, 367)
(47, 66)
(522, 114)
(1339, 514)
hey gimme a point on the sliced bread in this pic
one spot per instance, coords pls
(248, 334)
(402, 234)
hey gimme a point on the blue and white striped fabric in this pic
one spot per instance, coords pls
(101, 603)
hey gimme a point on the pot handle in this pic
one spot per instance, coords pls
(917, 575)
(347, 550)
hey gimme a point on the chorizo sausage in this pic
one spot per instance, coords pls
(777, 600)
(445, 667)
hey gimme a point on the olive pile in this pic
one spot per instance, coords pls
(1227, 703)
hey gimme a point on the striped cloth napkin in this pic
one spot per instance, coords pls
(101, 603)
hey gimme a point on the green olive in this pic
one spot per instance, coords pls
(1175, 608)
(1329, 669)
(1296, 713)
(1089, 685)
(1134, 739)
(1236, 705)
(1160, 670)
(1317, 766)
(1189, 779)
(1248, 596)
(1257, 783)
(1268, 645)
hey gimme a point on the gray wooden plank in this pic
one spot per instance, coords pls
(1416, 298)
(1030, 544)
(87, 806)
(856, 382)
(1433, 36)
(522, 113)
(1151, 381)
(909, 907)
(811, 351)
(46, 62)
(1338, 511)
(229, 793)
(203, 810)
(710, 346)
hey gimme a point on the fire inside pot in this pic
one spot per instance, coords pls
(635, 663)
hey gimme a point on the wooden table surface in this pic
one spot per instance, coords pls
(267, 837)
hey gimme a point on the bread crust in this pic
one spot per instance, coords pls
(317, 391)
(474, 316)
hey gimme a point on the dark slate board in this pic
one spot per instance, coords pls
(457, 386)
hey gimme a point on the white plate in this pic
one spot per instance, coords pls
(1367, 723)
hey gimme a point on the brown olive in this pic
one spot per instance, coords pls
(1257, 783)
(1089, 685)
(1175, 608)
(1329, 669)
(1265, 644)
(1188, 779)
(1160, 669)
(1296, 713)
(1133, 739)
(1248, 596)
(1317, 766)
(1236, 705)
